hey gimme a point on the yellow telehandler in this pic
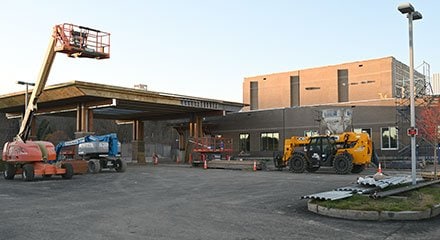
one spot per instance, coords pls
(346, 152)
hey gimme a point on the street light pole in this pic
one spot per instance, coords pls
(408, 9)
(27, 84)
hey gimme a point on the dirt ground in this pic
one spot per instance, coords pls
(181, 202)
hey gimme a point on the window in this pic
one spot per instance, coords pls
(389, 138)
(312, 88)
(294, 91)
(269, 141)
(343, 85)
(244, 142)
(365, 130)
(254, 95)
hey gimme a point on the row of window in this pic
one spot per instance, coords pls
(269, 140)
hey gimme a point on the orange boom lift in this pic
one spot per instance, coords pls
(30, 158)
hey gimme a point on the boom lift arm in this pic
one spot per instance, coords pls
(25, 127)
(30, 158)
(75, 41)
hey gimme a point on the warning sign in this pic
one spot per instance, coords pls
(412, 131)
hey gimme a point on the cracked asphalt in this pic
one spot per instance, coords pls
(181, 202)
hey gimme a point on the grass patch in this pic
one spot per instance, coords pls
(416, 200)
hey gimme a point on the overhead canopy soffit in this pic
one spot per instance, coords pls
(119, 103)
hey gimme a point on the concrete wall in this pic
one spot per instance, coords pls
(295, 121)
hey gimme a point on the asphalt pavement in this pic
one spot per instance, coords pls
(181, 202)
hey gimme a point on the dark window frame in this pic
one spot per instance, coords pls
(269, 141)
(244, 144)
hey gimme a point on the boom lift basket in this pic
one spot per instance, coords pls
(79, 41)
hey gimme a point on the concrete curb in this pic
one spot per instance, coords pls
(373, 215)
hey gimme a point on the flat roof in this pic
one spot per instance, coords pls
(118, 103)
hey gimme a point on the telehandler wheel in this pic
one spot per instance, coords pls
(28, 172)
(9, 172)
(278, 162)
(94, 166)
(357, 168)
(343, 163)
(121, 166)
(69, 171)
(298, 163)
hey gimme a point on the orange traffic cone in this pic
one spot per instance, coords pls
(379, 175)
(205, 164)
(255, 166)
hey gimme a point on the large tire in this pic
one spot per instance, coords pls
(298, 163)
(69, 171)
(357, 168)
(343, 163)
(121, 166)
(9, 172)
(278, 162)
(28, 172)
(94, 166)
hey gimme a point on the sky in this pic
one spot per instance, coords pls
(205, 48)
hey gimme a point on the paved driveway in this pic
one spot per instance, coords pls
(180, 202)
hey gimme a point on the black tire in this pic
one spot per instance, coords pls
(343, 163)
(69, 171)
(28, 172)
(298, 163)
(94, 166)
(357, 168)
(9, 172)
(278, 162)
(121, 166)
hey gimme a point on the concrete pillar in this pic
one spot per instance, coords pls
(83, 118)
(138, 151)
(138, 143)
(195, 126)
(78, 118)
(90, 120)
(199, 129)
(182, 141)
(84, 121)
(183, 132)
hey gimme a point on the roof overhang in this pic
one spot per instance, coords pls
(118, 103)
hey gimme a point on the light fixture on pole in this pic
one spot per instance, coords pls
(27, 84)
(412, 14)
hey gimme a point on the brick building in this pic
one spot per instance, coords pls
(376, 79)
(291, 103)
